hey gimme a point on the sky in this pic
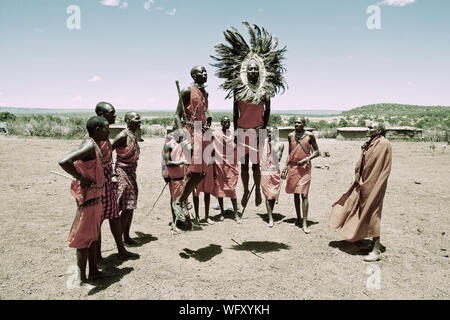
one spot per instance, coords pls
(131, 52)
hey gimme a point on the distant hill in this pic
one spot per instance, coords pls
(395, 110)
(434, 118)
(29, 111)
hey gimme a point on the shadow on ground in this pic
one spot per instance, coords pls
(229, 214)
(276, 217)
(294, 220)
(260, 246)
(115, 275)
(202, 254)
(143, 238)
(360, 248)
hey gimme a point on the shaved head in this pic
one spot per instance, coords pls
(95, 122)
(103, 107)
(196, 69)
(131, 115)
(107, 111)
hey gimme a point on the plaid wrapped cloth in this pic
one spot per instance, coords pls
(127, 190)
(109, 201)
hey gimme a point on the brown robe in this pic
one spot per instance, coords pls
(358, 212)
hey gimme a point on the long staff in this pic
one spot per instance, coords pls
(160, 194)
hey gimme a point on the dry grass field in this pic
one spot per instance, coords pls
(226, 260)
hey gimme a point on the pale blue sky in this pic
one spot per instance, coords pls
(333, 61)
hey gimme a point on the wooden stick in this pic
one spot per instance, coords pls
(181, 101)
(160, 194)
(63, 175)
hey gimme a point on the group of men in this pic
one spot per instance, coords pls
(215, 170)
(197, 160)
(101, 191)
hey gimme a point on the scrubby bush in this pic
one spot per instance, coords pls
(7, 116)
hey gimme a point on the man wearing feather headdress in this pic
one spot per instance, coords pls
(253, 74)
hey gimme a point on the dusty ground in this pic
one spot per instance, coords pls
(279, 263)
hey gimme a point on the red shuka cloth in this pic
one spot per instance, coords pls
(270, 173)
(86, 225)
(227, 172)
(298, 177)
(251, 115)
(358, 212)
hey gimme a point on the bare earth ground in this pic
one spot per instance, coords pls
(279, 263)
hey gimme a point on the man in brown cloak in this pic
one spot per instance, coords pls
(358, 212)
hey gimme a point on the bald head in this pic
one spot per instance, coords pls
(95, 125)
(199, 74)
(106, 110)
(225, 123)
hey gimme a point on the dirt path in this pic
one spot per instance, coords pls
(226, 260)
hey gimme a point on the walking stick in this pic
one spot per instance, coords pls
(249, 195)
(181, 101)
(63, 175)
(160, 194)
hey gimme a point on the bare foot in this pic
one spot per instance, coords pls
(258, 198)
(210, 221)
(245, 198)
(372, 257)
(175, 230)
(270, 223)
(306, 230)
(127, 255)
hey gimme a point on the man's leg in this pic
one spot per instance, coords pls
(305, 207)
(207, 203)
(297, 207)
(257, 179)
(114, 225)
(125, 220)
(245, 178)
(98, 253)
(94, 273)
(196, 208)
(237, 218)
(222, 211)
(82, 256)
(374, 255)
(269, 205)
(192, 182)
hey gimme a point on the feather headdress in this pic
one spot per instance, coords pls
(232, 62)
